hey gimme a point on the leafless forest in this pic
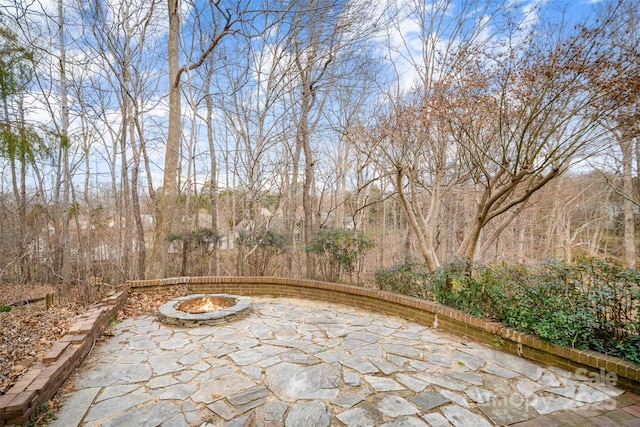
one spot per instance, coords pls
(155, 138)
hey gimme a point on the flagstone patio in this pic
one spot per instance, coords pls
(302, 363)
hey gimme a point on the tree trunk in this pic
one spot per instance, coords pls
(213, 188)
(304, 142)
(307, 202)
(420, 226)
(141, 252)
(64, 141)
(124, 229)
(159, 255)
(629, 218)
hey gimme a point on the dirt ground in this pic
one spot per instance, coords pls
(28, 332)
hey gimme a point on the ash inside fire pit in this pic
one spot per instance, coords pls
(195, 310)
(202, 305)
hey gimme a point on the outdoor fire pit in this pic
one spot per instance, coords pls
(201, 309)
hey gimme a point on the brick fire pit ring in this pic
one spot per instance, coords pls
(203, 309)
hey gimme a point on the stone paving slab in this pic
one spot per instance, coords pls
(301, 363)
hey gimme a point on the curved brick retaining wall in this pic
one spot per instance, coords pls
(591, 363)
(44, 379)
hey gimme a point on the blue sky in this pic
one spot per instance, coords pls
(576, 11)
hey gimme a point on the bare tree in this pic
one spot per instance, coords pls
(20, 141)
(122, 35)
(502, 107)
(617, 75)
(224, 19)
(325, 38)
(28, 20)
(213, 188)
(523, 126)
(412, 142)
(414, 151)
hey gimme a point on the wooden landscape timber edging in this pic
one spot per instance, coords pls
(44, 378)
(49, 298)
(595, 365)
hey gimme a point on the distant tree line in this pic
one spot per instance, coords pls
(312, 138)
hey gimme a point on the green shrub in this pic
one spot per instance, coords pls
(202, 238)
(470, 287)
(338, 250)
(628, 348)
(261, 248)
(614, 294)
(585, 304)
(545, 307)
(409, 278)
(263, 239)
